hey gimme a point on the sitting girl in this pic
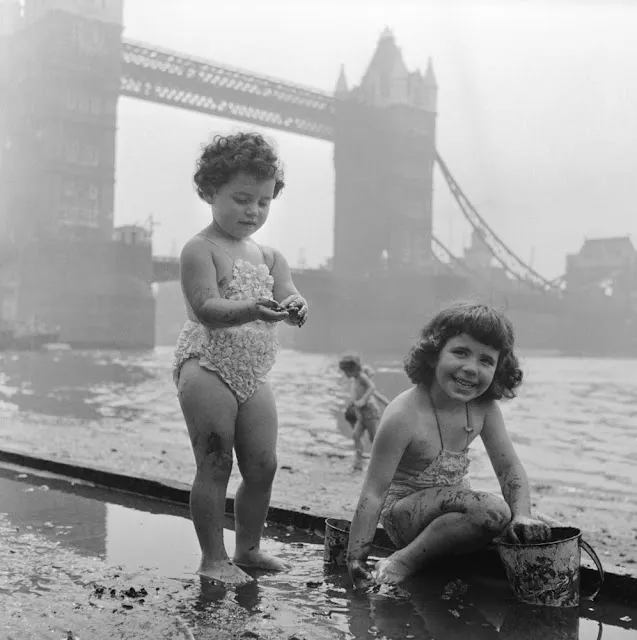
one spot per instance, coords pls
(415, 482)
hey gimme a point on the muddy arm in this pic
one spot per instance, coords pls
(199, 283)
(506, 464)
(389, 445)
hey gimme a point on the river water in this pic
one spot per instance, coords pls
(574, 422)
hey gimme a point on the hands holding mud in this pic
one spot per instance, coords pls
(527, 530)
(296, 306)
(269, 310)
(293, 310)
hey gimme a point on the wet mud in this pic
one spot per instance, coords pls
(78, 563)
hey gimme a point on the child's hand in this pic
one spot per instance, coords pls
(527, 530)
(361, 577)
(270, 310)
(296, 306)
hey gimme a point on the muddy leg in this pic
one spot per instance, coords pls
(255, 444)
(210, 411)
(439, 522)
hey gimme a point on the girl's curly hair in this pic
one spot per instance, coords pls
(484, 324)
(226, 156)
(350, 362)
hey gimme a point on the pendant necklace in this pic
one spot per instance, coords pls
(468, 428)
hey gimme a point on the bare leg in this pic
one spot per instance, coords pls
(255, 444)
(372, 426)
(439, 522)
(210, 411)
(357, 436)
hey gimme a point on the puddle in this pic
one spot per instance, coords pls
(76, 526)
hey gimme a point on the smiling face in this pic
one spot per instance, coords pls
(241, 206)
(465, 368)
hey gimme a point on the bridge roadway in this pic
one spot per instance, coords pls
(322, 286)
(180, 80)
(319, 281)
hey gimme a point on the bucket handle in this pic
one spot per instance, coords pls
(598, 563)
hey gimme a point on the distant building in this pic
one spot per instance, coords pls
(478, 256)
(600, 261)
(132, 234)
(479, 259)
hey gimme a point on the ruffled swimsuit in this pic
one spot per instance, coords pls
(241, 356)
(448, 469)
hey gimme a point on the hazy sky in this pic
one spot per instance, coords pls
(537, 114)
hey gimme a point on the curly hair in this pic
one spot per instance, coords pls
(484, 324)
(226, 156)
(350, 362)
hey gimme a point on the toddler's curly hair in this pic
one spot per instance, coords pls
(483, 323)
(350, 362)
(226, 156)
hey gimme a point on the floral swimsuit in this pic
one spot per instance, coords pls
(241, 356)
(448, 469)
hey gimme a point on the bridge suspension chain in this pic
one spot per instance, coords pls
(444, 255)
(510, 262)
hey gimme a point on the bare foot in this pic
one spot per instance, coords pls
(224, 571)
(391, 571)
(257, 559)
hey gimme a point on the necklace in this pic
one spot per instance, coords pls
(468, 428)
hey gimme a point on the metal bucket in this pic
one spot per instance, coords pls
(548, 573)
(336, 541)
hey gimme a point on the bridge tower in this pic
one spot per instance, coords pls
(57, 174)
(59, 124)
(384, 149)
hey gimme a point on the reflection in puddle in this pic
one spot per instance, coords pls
(311, 601)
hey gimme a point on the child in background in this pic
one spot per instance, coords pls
(362, 412)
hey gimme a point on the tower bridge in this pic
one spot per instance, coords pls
(63, 68)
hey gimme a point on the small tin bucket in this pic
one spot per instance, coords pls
(336, 541)
(548, 573)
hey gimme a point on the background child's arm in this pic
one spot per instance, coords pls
(381, 397)
(199, 283)
(364, 380)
